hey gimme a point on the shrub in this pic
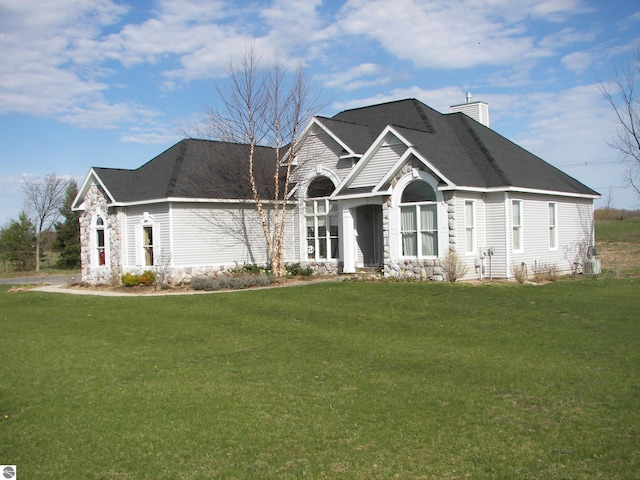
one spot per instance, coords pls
(453, 268)
(519, 272)
(130, 280)
(251, 269)
(296, 270)
(231, 282)
(545, 272)
(146, 278)
(206, 284)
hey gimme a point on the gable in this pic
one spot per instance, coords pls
(90, 180)
(379, 163)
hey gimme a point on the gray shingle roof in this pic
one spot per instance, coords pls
(193, 169)
(465, 151)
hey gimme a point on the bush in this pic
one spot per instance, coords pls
(520, 272)
(251, 269)
(296, 270)
(130, 280)
(231, 282)
(546, 272)
(453, 268)
(206, 284)
(146, 278)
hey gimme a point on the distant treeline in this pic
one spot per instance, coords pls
(610, 214)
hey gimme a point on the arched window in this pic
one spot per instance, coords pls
(321, 216)
(419, 220)
(99, 250)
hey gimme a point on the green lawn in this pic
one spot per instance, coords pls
(332, 380)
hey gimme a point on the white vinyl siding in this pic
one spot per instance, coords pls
(320, 149)
(378, 166)
(574, 223)
(496, 235)
(132, 234)
(214, 235)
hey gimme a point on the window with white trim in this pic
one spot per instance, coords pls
(100, 244)
(321, 218)
(470, 226)
(147, 241)
(553, 226)
(147, 244)
(516, 224)
(419, 220)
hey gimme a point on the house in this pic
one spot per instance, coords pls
(394, 186)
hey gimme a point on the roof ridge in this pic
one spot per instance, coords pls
(482, 147)
(423, 116)
(173, 180)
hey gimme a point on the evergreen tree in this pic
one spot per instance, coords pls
(68, 232)
(17, 243)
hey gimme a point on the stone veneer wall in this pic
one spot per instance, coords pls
(110, 273)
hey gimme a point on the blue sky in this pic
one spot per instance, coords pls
(113, 83)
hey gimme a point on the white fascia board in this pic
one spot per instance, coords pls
(91, 178)
(179, 200)
(356, 195)
(523, 190)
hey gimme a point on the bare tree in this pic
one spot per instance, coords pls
(264, 105)
(44, 198)
(625, 101)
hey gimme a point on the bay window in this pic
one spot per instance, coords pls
(419, 220)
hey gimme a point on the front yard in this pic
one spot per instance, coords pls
(327, 380)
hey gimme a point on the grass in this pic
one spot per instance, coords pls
(618, 244)
(332, 380)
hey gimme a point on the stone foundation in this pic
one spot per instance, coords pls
(415, 270)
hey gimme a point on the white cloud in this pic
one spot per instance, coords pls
(440, 99)
(569, 129)
(39, 73)
(577, 62)
(455, 34)
(360, 76)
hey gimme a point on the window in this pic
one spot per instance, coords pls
(147, 241)
(470, 226)
(553, 230)
(321, 217)
(147, 244)
(419, 220)
(100, 244)
(322, 229)
(516, 223)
